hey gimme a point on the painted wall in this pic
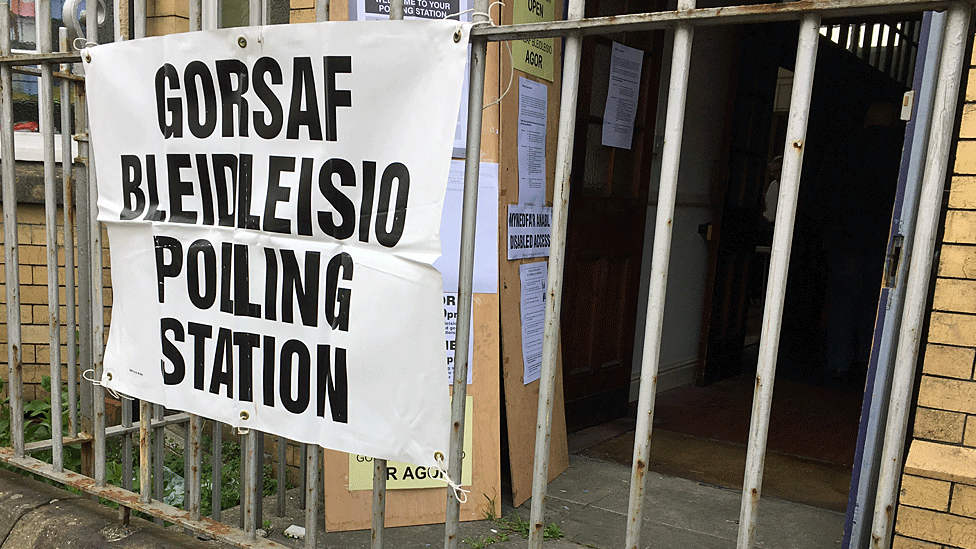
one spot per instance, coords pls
(711, 63)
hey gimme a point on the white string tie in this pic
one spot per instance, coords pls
(460, 494)
(98, 383)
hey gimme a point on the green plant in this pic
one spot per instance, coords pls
(552, 531)
(515, 524)
(489, 512)
(479, 543)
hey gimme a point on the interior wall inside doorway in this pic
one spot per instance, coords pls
(706, 111)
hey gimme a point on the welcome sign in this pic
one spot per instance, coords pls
(273, 200)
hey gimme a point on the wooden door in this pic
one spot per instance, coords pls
(607, 211)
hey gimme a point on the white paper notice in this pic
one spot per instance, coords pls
(533, 105)
(450, 336)
(533, 280)
(622, 95)
(529, 230)
(486, 231)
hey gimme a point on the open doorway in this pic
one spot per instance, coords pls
(847, 190)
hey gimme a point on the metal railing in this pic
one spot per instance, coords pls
(86, 401)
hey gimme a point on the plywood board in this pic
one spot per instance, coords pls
(351, 510)
(521, 401)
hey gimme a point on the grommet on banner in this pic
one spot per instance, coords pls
(108, 375)
(244, 417)
(460, 494)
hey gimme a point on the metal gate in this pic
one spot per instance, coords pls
(82, 338)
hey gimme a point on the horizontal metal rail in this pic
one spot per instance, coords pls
(761, 13)
(168, 513)
(114, 431)
(37, 72)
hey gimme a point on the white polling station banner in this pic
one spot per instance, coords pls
(273, 200)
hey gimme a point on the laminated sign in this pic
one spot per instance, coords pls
(273, 200)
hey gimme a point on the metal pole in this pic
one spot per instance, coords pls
(670, 158)
(472, 166)
(216, 464)
(557, 255)
(916, 292)
(194, 13)
(312, 458)
(282, 475)
(194, 476)
(139, 17)
(145, 459)
(379, 502)
(249, 489)
(302, 475)
(67, 184)
(321, 10)
(46, 108)
(796, 131)
(86, 390)
(396, 9)
(15, 372)
(209, 15)
(254, 12)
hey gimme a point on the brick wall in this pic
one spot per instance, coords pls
(32, 242)
(937, 504)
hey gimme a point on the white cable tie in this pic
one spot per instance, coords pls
(84, 44)
(460, 494)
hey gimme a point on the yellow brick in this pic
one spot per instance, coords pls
(968, 126)
(970, 437)
(38, 235)
(971, 85)
(31, 214)
(32, 255)
(939, 425)
(953, 329)
(925, 493)
(24, 234)
(950, 295)
(963, 500)
(957, 261)
(959, 227)
(901, 542)
(962, 192)
(26, 274)
(949, 361)
(161, 8)
(941, 462)
(301, 16)
(302, 4)
(947, 394)
(965, 158)
(158, 26)
(937, 527)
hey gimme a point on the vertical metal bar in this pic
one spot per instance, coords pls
(159, 437)
(379, 503)
(242, 476)
(216, 464)
(67, 183)
(259, 480)
(396, 9)
(560, 210)
(321, 10)
(194, 13)
(145, 456)
(254, 12)
(249, 489)
(209, 14)
(186, 471)
(139, 18)
(194, 476)
(117, 20)
(650, 361)
(85, 339)
(312, 464)
(916, 292)
(15, 378)
(45, 101)
(282, 475)
(302, 476)
(476, 92)
(796, 130)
